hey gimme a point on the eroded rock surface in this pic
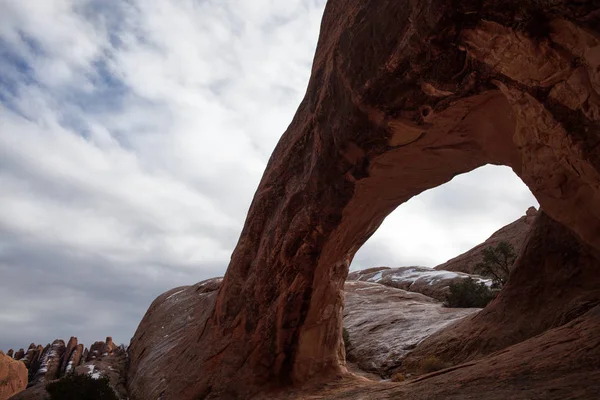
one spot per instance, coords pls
(166, 340)
(514, 233)
(427, 281)
(13, 376)
(562, 363)
(403, 96)
(45, 364)
(555, 280)
(385, 323)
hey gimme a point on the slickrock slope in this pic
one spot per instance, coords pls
(403, 96)
(562, 363)
(555, 280)
(13, 376)
(385, 323)
(165, 341)
(427, 281)
(514, 233)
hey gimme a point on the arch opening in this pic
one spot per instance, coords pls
(443, 222)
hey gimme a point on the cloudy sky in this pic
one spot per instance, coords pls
(132, 137)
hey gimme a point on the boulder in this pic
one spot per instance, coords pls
(13, 376)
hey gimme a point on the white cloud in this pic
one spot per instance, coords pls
(132, 138)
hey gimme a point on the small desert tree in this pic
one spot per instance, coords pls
(497, 262)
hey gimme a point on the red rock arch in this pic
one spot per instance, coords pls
(403, 96)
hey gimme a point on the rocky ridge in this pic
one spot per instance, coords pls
(430, 282)
(514, 233)
(55, 360)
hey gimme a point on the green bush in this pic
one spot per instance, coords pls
(467, 294)
(497, 263)
(82, 387)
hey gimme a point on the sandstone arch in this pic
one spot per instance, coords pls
(403, 96)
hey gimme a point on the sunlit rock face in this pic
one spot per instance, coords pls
(13, 376)
(402, 97)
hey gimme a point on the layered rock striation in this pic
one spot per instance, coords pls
(403, 96)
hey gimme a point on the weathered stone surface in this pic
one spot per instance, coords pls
(71, 345)
(74, 360)
(555, 280)
(19, 354)
(95, 351)
(84, 356)
(385, 323)
(427, 281)
(514, 233)
(13, 376)
(169, 331)
(559, 364)
(403, 96)
(109, 347)
(50, 362)
(112, 366)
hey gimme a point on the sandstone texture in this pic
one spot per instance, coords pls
(385, 324)
(514, 233)
(166, 341)
(13, 376)
(45, 364)
(555, 280)
(403, 96)
(427, 281)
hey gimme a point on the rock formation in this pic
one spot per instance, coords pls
(403, 96)
(385, 324)
(427, 281)
(56, 360)
(514, 233)
(555, 280)
(13, 376)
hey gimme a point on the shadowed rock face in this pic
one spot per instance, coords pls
(403, 96)
(555, 280)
